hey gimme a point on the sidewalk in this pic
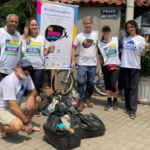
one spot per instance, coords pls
(122, 133)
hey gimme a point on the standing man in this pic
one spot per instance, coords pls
(9, 46)
(14, 114)
(87, 42)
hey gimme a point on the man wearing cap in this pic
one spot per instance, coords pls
(87, 42)
(14, 114)
(9, 46)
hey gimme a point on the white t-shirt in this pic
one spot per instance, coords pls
(34, 51)
(129, 58)
(11, 88)
(10, 50)
(110, 52)
(87, 48)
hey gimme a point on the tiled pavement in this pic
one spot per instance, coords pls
(122, 133)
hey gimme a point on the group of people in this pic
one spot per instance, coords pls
(114, 58)
(22, 67)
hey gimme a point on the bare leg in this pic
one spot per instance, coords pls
(108, 93)
(14, 126)
(115, 94)
(31, 113)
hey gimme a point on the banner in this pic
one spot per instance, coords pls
(57, 22)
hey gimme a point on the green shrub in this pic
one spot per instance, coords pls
(145, 64)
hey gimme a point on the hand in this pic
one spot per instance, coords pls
(73, 65)
(28, 128)
(30, 103)
(54, 47)
(101, 74)
(147, 46)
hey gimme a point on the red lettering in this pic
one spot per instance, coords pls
(54, 33)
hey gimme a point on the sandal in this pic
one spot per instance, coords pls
(33, 129)
(3, 135)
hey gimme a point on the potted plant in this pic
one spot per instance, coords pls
(144, 82)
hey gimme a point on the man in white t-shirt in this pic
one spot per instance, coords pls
(87, 42)
(9, 46)
(14, 114)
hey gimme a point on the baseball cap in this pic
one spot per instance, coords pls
(24, 63)
(106, 27)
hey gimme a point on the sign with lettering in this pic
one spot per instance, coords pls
(57, 22)
(109, 13)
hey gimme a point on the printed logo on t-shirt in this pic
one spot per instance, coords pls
(130, 45)
(33, 49)
(111, 51)
(11, 47)
(21, 91)
(88, 42)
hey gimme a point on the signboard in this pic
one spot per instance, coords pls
(58, 23)
(109, 13)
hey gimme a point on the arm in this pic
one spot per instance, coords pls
(145, 50)
(120, 46)
(99, 60)
(73, 56)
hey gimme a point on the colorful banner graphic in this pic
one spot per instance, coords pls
(111, 51)
(33, 49)
(11, 47)
(58, 23)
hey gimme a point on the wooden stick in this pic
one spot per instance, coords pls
(69, 130)
(55, 79)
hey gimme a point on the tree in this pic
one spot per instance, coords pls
(22, 8)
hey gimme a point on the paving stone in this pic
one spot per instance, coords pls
(122, 133)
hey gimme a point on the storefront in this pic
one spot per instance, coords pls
(106, 12)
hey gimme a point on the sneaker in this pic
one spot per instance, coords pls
(37, 114)
(126, 111)
(88, 103)
(115, 105)
(132, 116)
(108, 107)
(80, 107)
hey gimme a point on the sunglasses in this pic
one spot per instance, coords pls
(25, 68)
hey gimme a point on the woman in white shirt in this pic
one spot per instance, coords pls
(109, 50)
(33, 49)
(130, 63)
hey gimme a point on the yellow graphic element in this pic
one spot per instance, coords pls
(14, 41)
(36, 43)
(112, 45)
(85, 41)
(50, 3)
(50, 28)
(74, 32)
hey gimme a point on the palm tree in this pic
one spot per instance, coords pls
(22, 8)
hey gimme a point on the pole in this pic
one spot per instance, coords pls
(130, 10)
(55, 79)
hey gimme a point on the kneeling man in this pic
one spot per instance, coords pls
(15, 116)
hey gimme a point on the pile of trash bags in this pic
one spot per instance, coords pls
(65, 126)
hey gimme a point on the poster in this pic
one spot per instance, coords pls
(58, 23)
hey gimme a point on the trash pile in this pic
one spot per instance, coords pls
(65, 126)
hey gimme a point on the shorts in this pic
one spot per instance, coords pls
(6, 115)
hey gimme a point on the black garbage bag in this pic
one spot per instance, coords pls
(60, 137)
(62, 107)
(91, 126)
